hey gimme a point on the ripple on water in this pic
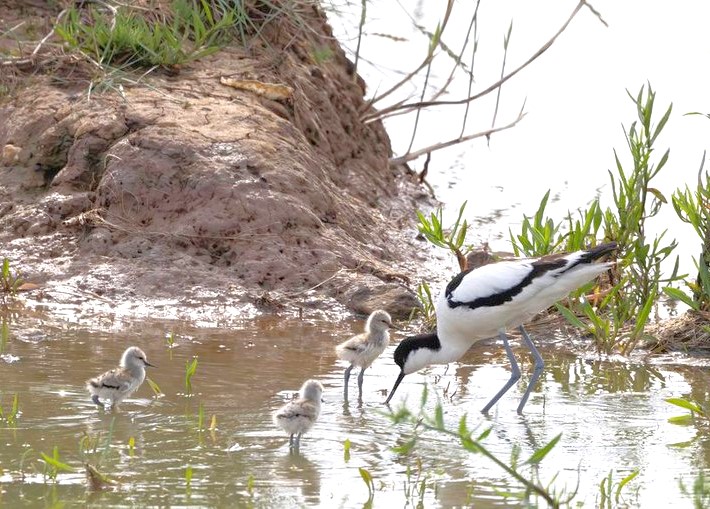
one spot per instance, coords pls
(611, 415)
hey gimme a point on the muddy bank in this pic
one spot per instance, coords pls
(181, 193)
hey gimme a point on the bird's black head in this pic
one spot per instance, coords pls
(408, 345)
(404, 350)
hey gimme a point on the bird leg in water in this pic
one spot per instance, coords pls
(537, 371)
(359, 381)
(347, 377)
(514, 375)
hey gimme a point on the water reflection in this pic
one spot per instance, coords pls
(610, 412)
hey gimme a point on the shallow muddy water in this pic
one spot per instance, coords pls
(611, 414)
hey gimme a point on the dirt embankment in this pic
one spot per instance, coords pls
(182, 196)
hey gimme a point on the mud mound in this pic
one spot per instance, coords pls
(182, 188)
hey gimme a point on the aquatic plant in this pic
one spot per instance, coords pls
(10, 281)
(607, 486)
(54, 465)
(188, 479)
(370, 483)
(131, 446)
(346, 450)
(154, 387)
(432, 228)
(11, 415)
(700, 492)
(423, 421)
(697, 409)
(190, 368)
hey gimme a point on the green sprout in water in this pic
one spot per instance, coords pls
(370, 483)
(190, 368)
(11, 416)
(188, 478)
(346, 450)
(53, 464)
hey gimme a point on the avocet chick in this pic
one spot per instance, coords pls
(298, 416)
(363, 349)
(119, 383)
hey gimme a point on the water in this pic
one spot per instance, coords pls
(611, 414)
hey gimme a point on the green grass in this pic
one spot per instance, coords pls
(122, 35)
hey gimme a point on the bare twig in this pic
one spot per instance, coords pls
(363, 16)
(50, 34)
(425, 62)
(506, 42)
(473, 60)
(378, 115)
(438, 146)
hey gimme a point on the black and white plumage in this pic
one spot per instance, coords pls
(298, 416)
(363, 349)
(119, 383)
(482, 302)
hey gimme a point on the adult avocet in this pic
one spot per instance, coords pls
(480, 303)
(119, 383)
(363, 349)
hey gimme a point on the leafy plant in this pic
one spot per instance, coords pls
(619, 319)
(432, 228)
(539, 234)
(693, 207)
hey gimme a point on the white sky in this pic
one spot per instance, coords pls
(575, 93)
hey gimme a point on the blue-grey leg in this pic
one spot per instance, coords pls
(537, 371)
(347, 378)
(290, 441)
(298, 441)
(95, 399)
(514, 375)
(359, 382)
